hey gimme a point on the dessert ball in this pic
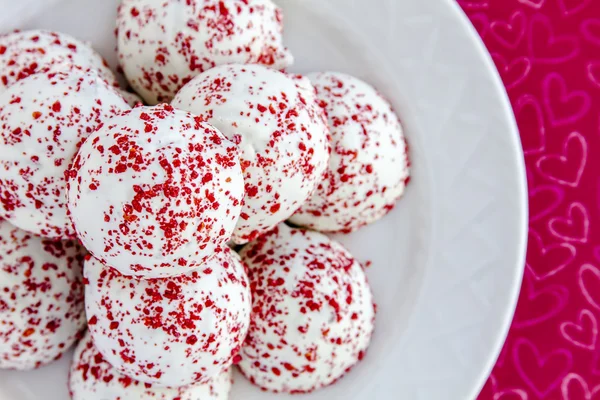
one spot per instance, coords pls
(170, 331)
(31, 52)
(280, 130)
(41, 298)
(93, 378)
(369, 166)
(154, 191)
(44, 119)
(312, 311)
(162, 44)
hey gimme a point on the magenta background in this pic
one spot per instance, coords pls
(548, 53)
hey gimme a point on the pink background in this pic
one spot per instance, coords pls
(548, 53)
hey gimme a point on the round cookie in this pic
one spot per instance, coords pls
(369, 165)
(313, 312)
(44, 119)
(154, 191)
(280, 130)
(91, 377)
(163, 44)
(30, 52)
(170, 331)
(41, 298)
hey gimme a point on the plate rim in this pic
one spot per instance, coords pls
(523, 197)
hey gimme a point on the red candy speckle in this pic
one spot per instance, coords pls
(313, 311)
(280, 131)
(170, 331)
(369, 167)
(162, 199)
(164, 45)
(49, 132)
(93, 377)
(41, 298)
(31, 52)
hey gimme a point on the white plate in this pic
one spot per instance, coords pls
(447, 263)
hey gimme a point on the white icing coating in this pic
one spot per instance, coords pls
(41, 298)
(163, 44)
(30, 52)
(280, 130)
(44, 119)
(369, 165)
(313, 311)
(170, 331)
(154, 191)
(93, 378)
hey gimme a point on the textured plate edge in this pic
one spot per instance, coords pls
(523, 196)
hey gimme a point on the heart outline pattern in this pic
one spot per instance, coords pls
(535, 141)
(575, 379)
(570, 7)
(570, 330)
(588, 274)
(548, 266)
(574, 227)
(545, 302)
(590, 30)
(544, 200)
(513, 73)
(555, 103)
(593, 72)
(554, 364)
(578, 102)
(502, 30)
(571, 166)
(547, 48)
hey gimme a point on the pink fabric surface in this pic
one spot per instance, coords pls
(548, 53)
